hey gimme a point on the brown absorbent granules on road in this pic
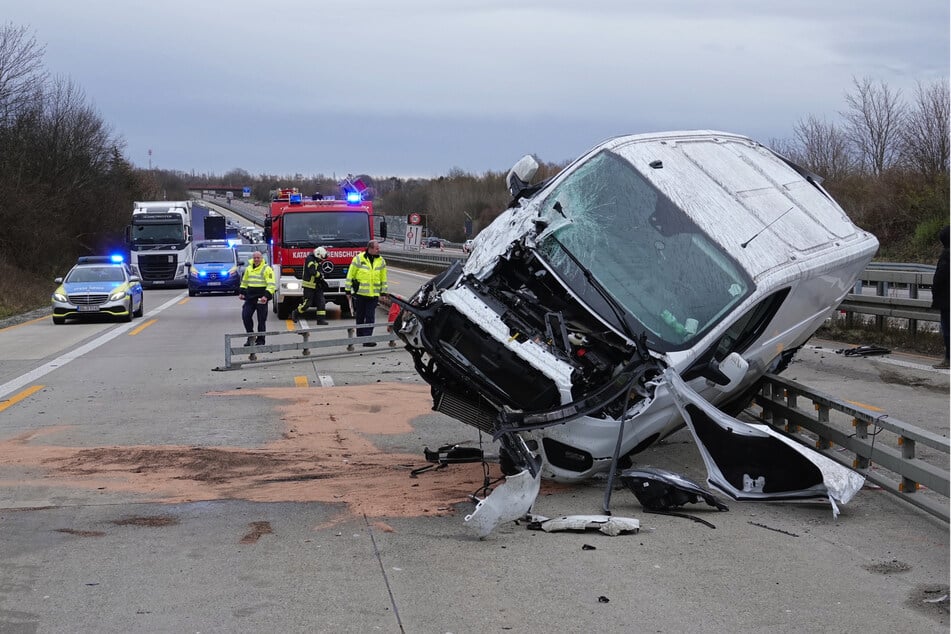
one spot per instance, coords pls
(324, 455)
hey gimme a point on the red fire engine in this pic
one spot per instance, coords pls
(296, 225)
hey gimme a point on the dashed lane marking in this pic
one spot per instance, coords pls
(16, 398)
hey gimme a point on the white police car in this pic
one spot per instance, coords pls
(98, 285)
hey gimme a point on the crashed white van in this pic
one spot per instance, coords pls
(702, 254)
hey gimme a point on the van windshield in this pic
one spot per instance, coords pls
(608, 222)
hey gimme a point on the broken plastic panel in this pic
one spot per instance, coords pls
(659, 490)
(755, 462)
(510, 501)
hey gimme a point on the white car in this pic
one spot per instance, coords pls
(652, 270)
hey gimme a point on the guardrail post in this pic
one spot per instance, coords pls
(351, 333)
(791, 397)
(306, 338)
(861, 432)
(913, 323)
(822, 415)
(907, 453)
(881, 289)
(767, 391)
(228, 351)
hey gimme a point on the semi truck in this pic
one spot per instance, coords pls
(160, 241)
(296, 225)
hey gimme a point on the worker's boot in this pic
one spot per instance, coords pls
(249, 341)
(321, 321)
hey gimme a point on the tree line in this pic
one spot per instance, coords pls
(66, 187)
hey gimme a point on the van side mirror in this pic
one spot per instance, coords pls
(383, 229)
(521, 174)
(728, 373)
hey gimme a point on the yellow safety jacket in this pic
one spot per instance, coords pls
(258, 281)
(365, 277)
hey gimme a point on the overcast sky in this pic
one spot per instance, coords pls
(419, 87)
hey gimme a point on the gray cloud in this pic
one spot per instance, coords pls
(419, 87)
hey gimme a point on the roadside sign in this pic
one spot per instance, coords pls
(415, 219)
(414, 234)
(246, 192)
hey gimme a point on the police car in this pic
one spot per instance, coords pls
(214, 269)
(98, 285)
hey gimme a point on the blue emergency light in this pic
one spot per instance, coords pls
(294, 199)
(117, 258)
(354, 197)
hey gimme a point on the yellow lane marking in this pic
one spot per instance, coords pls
(184, 301)
(301, 381)
(139, 329)
(32, 321)
(289, 323)
(871, 407)
(16, 398)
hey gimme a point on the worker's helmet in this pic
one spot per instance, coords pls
(320, 253)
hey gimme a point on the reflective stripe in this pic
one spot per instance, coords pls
(260, 277)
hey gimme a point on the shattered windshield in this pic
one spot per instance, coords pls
(341, 228)
(645, 252)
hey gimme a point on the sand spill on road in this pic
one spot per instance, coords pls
(325, 455)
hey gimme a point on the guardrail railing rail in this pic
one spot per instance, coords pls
(899, 457)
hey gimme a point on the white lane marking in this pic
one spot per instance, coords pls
(43, 370)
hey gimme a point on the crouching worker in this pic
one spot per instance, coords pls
(366, 282)
(314, 285)
(257, 287)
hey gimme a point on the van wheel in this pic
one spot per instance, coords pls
(141, 310)
(59, 321)
(283, 309)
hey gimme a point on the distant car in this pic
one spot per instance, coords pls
(467, 246)
(98, 285)
(213, 269)
(244, 252)
(434, 242)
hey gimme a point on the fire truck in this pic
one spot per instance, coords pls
(296, 225)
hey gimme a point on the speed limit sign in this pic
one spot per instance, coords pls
(414, 219)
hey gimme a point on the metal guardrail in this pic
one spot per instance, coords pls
(889, 278)
(303, 342)
(878, 443)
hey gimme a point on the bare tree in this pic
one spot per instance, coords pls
(874, 121)
(21, 70)
(823, 148)
(925, 135)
